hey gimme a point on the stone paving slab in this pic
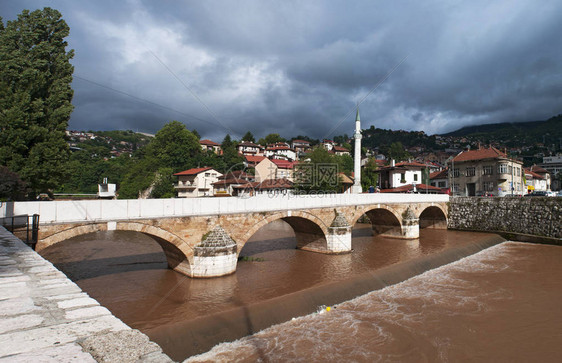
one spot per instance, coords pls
(45, 317)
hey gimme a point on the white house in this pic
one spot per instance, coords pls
(197, 182)
(280, 152)
(249, 148)
(397, 175)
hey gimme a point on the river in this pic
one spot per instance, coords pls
(419, 319)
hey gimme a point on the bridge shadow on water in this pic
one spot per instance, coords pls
(92, 268)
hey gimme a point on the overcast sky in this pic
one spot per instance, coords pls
(299, 67)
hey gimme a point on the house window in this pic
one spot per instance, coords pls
(510, 169)
(488, 186)
(442, 184)
(415, 177)
(402, 177)
(488, 170)
(455, 188)
(502, 169)
(456, 173)
(207, 174)
(471, 171)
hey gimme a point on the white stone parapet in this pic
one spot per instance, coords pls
(130, 209)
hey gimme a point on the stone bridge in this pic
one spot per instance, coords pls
(202, 237)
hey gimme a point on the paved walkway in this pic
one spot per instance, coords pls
(45, 317)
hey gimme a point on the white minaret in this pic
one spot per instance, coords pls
(356, 188)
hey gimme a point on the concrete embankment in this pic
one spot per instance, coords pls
(188, 338)
(46, 317)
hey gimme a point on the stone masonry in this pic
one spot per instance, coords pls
(539, 216)
(46, 317)
(314, 229)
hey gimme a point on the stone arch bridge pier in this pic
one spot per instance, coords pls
(202, 237)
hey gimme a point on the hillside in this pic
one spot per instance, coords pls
(546, 132)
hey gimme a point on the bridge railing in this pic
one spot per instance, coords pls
(127, 209)
(25, 227)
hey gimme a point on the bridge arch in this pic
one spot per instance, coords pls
(433, 217)
(178, 253)
(384, 220)
(310, 231)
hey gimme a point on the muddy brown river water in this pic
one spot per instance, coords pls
(502, 304)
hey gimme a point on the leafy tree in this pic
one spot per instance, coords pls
(318, 172)
(35, 97)
(230, 156)
(163, 184)
(174, 146)
(369, 176)
(249, 137)
(194, 132)
(271, 139)
(396, 151)
(11, 186)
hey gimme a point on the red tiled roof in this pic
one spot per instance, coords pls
(411, 163)
(284, 164)
(479, 154)
(410, 188)
(340, 149)
(533, 174)
(194, 171)
(442, 174)
(538, 169)
(254, 158)
(301, 141)
(249, 144)
(209, 142)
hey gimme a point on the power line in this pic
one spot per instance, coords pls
(190, 117)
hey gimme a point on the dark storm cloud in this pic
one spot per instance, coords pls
(299, 67)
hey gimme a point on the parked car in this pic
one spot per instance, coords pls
(537, 193)
(560, 193)
(550, 194)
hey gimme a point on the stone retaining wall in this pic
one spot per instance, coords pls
(539, 216)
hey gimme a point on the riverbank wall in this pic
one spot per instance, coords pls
(46, 317)
(532, 219)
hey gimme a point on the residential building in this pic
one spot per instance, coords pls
(545, 174)
(268, 186)
(249, 148)
(208, 145)
(328, 144)
(197, 182)
(340, 150)
(274, 169)
(280, 151)
(301, 146)
(250, 161)
(440, 179)
(399, 174)
(553, 164)
(226, 184)
(535, 182)
(485, 171)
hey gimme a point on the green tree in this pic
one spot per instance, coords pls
(271, 139)
(230, 156)
(35, 97)
(369, 175)
(174, 146)
(11, 186)
(396, 151)
(249, 137)
(163, 184)
(318, 172)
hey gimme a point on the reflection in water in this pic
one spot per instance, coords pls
(127, 271)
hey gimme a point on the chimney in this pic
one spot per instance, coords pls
(392, 163)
